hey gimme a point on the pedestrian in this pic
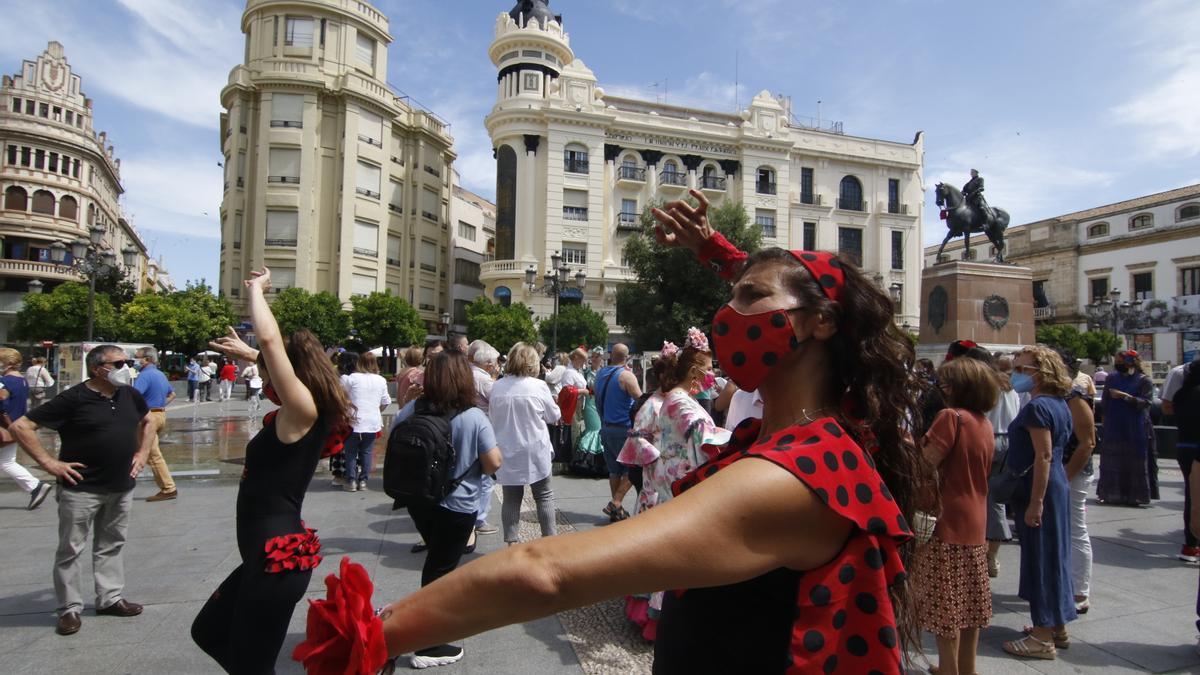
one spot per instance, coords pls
(448, 526)
(1036, 439)
(409, 376)
(1128, 466)
(755, 592)
(642, 445)
(520, 407)
(243, 624)
(203, 382)
(152, 384)
(14, 402)
(616, 389)
(484, 368)
(249, 375)
(368, 393)
(105, 432)
(213, 369)
(458, 343)
(39, 381)
(1008, 404)
(1181, 399)
(950, 572)
(228, 377)
(193, 379)
(1077, 462)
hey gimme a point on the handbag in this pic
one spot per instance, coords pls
(1004, 480)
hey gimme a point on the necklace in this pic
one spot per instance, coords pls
(808, 418)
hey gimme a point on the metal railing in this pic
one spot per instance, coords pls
(575, 165)
(368, 193)
(628, 221)
(712, 183)
(287, 124)
(279, 242)
(1043, 313)
(676, 178)
(370, 141)
(898, 208)
(851, 204)
(289, 180)
(810, 198)
(633, 173)
(764, 188)
(575, 213)
(366, 251)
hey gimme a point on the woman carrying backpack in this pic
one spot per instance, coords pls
(447, 527)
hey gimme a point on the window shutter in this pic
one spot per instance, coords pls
(361, 284)
(396, 198)
(287, 108)
(393, 249)
(283, 277)
(575, 198)
(282, 226)
(366, 238)
(368, 178)
(285, 162)
(365, 50)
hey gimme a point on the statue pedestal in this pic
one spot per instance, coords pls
(984, 302)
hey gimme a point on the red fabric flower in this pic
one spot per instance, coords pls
(336, 440)
(568, 400)
(299, 551)
(344, 636)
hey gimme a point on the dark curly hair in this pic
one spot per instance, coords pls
(871, 363)
(676, 369)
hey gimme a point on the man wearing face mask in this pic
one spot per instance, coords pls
(105, 433)
(154, 387)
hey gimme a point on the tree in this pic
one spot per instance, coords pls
(383, 319)
(672, 291)
(577, 325)
(1096, 345)
(114, 282)
(295, 308)
(153, 318)
(61, 315)
(1101, 345)
(201, 317)
(500, 326)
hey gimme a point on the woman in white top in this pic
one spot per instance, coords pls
(39, 381)
(520, 408)
(368, 393)
(1007, 407)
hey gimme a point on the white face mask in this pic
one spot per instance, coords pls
(121, 377)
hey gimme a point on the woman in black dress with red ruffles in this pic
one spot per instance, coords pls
(790, 561)
(244, 623)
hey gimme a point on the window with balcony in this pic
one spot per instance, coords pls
(364, 53)
(44, 109)
(1039, 294)
(575, 159)
(361, 284)
(1187, 212)
(1189, 281)
(1099, 289)
(710, 180)
(628, 218)
(25, 155)
(1141, 222)
(287, 110)
(806, 185)
(467, 231)
(850, 195)
(43, 202)
(429, 255)
(52, 165)
(1097, 230)
(68, 208)
(396, 197)
(298, 32)
(281, 228)
(12, 155)
(370, 128)
(39, 159)
(810, 236)
(366, 238)
(671, 175)
(764, 183)
(850, 244)
(629, 170)
(393, 250)
(897, 250)
(284, 166)
(367, 182)
(1143, 286)
(241, 169)
(574, 253)
(765, 219)
(575, 205)
(16, 198)
(894, 195)
(466, 272)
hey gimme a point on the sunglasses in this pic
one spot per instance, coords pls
(117, 365)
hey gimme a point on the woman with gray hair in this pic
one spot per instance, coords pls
(520, 408)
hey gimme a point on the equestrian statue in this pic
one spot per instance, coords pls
(966, 212)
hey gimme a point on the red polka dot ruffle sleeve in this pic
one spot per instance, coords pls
(845, 621)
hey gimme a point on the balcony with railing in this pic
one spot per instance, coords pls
(765, 188)
(1043, 313)
(673, 179)
(575, 213)
(632, 174)
(366, 251)
(628, 222)
(810, 198)
(280, 242)
(286, 180)
(896, 208)
(715, 183)
(370, 141)
(851, 204)
(37, 270)
(572, 165)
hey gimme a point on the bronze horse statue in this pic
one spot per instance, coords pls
(962, 220)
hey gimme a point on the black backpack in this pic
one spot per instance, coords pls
(420, 460)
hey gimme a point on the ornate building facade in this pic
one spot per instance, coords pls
(333, 180)
(576, 168)
(59, 180)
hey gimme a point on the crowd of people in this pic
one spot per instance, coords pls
(905, 475)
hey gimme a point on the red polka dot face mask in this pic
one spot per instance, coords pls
(750, 345)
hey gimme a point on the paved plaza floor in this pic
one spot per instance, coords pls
(1142, 617)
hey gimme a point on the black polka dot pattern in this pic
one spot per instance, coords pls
(831, 461)
(779, 320)
(830, 665)
(738, 359)
(754, 332)
(850, 460)
(814, 641)
(887, 637)
(846, 573)
(721, 328)
(770, 359)
(857, 645)
(862, 492)
(806, 464)
(786, 439)
(843, 496)
(866, 603)
(839, 619)
(833, 429)
(820, 595)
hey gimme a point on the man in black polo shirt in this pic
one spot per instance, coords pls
(105, 435)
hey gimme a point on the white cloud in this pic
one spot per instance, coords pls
(173, 194)
(707, 91)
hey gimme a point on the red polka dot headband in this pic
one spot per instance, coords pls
(826, 269)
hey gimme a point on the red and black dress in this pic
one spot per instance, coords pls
(837, 618)
(243, 625)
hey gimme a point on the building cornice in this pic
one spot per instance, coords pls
(1157, 236)
(366, 15)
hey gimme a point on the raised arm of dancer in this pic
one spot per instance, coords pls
(297, 411)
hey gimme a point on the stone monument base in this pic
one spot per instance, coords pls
(987, 303)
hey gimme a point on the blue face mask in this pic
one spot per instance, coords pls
(1022, 383)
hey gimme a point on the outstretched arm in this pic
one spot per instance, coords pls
(298, 411)
(679, 224)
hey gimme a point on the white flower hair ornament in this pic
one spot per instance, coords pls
(669, 350)
(696, 340)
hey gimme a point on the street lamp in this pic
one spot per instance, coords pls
(88, 259)
(35, 287)
(895, 289)
(1109, 308)
(555, 282)
(445, 317)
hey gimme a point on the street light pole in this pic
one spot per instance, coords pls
(88, 258)
(554, 284)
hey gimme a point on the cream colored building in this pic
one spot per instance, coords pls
(472, 239)
(576, 167)
(1147, 249)
(59, 179)
(332, 179)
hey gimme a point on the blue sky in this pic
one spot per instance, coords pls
(1061, 104)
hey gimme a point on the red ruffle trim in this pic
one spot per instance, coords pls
(343, 636)
(296, 552)
(637, 610)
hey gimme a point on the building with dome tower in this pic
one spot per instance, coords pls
(334, 180)
(576, 167)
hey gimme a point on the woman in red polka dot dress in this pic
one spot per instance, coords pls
(789, 562)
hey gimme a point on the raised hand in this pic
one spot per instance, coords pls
(261, 279)
(679, 224)
(231, 344)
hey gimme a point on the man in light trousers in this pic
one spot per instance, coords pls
(153, 385)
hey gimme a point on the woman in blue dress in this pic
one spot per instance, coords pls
(1128, 462)
(1036, 439)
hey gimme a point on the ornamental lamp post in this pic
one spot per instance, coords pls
(555, 281)
(88, 258)
(445, 317)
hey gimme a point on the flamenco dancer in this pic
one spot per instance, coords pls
(244, 623)
(790, 543)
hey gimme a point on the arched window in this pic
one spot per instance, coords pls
(765, 184)
(1187, 212)
(575, 158)
(503, 296)
(16, 199)
(629, 169)
(1141, 221)
(710, 179)
(1097, 230)
(68, 208)
(91, 214)
(850, 195)
(671, 174)
(43, 202)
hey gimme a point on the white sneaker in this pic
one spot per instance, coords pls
(338, 481)
(362, 486)
(351, 487)
(441, 655)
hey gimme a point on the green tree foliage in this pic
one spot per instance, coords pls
(295, 308)
(61, 315)
(1095, 345)
(577, 325)
(153, 318)
(502, 327)
(384, 320)
(115, 283)
(202, 316)
(673, 291)
(1101, 345)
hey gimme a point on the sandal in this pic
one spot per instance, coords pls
(608, 509)
(618, 515)
(1061, 639)
(1033, 648)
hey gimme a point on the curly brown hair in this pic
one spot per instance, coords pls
(676, 369)
(319, 376)
(872, 374)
